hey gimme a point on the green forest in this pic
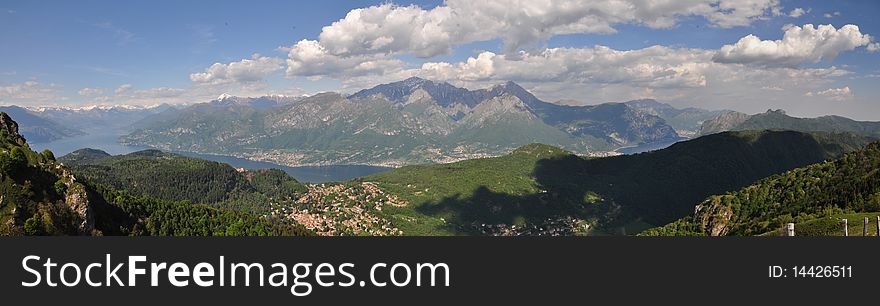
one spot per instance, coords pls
(731, 183)
(40, 196)
(173, 177)
(543, 185)
(816, 197)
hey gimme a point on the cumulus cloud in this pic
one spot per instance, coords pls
(834, 94)
(797, 12)
(310, 58)
(798, 45)
(389, 28)
(873, 47)
(244, 71)
(656, 66)
(89, 91)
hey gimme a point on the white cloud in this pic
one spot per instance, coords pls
(831, 15)
(797, 12)
(798, 45)
(656, 66)
(122, 89)
(834, 94)
(389, 28)
(873, 47)
(30, 93)
(244, 71)
(310, 58)
(90, 91)
(601, 74)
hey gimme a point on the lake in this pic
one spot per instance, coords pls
(647, 147)
(107, 142)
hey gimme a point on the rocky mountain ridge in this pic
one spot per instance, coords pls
(407, 122)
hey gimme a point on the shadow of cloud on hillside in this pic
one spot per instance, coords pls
(558, 198)
(655, 188)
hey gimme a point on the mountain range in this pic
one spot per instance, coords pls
(778, 119)
(36, 128)
(98, 118)
(537, 189)
(407, 122)
(413, 121)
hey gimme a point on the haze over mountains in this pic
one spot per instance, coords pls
(535, 190)
(778, 119)
(38, 129)
(46, 124)
(413, 121)
(407, 122)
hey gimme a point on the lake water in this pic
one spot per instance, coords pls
(107, 142)
(648, 147)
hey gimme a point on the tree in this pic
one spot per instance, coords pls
(5, 163)
(33, 226)
(48, 155)
(17, 160)
(60, 187)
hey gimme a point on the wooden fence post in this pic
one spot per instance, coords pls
(845, 227)
(789, 229)
(865, 229)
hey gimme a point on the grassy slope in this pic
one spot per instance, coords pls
(831, 225)
(424, 184)
(537, 181)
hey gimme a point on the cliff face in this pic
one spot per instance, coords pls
(38, 196)
(725, 122)
(9, 129)
(713, 217)
(77, 199)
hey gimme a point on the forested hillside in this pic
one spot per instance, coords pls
(173, 177)
(540, 189)
(811, 196)
(39, 196)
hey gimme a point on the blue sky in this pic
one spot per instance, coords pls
(148, 52)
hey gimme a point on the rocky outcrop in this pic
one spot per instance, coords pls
(725, 122)
(77, 199)
(9, 129)
(42, 173)
(713, 216)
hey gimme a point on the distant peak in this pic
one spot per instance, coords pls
(415, 80)
(509, 85)
(224, 96)
(778, 111)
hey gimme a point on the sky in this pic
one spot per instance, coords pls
(810, 58)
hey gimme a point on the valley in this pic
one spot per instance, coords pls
(425, 158)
